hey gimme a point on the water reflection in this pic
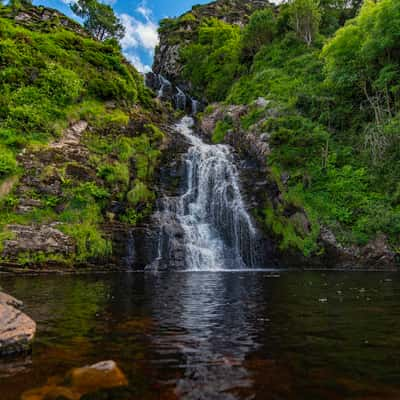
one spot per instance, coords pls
(208, 328)
(196, 336)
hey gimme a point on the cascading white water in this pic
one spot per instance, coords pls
(180, 99)
(178, 95)
(163, 83)
(195, 106)
(216, 230)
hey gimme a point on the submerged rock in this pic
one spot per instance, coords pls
(79, 382)
(105, 374)
(17, 330)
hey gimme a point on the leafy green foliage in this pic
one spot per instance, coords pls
(8, 163)
(305, 18)
(212, 62)
(50, 78)
(99, 19)
(46, 77)
(221, 130)
(260, 31)
(140, 194)
(332, 117)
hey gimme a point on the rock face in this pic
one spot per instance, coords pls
(42, 15)
(17, 330)
(376, 253)
(79, 382)
(251, 143)
(178, 32)
(35, 239)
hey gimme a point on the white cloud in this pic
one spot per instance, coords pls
(135, 60)
(144, 10)
(139, 34)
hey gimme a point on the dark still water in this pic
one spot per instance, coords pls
(250, 335)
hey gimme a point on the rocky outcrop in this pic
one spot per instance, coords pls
(70, 184)
(376, 254)
(251, 143)
(45, 18)
(46, 239)
(80, 382)
(133, 247)
(17, 330)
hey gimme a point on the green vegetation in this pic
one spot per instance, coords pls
(212, 63)
(221, 129)
(52, 76)
(99, 19)
(333, 113)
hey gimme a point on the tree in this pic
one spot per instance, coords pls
(335, 13)
(305, 19)
(99, 19)
(258, 32)
(362, 63)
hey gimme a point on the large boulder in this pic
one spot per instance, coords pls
(17, 330)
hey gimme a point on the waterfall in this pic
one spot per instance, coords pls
(208, 226)
(167, 91)
(195, 106)
(163, 83)
(180, 99)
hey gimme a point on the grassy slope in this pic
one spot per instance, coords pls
(50, 78)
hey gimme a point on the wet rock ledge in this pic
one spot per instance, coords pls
(17, 330)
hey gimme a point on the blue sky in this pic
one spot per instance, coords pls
(140, 18)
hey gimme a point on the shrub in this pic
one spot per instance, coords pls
(90, 243)
(221, 130)
(140, 194)
(63, 85)
(260, 31)
(115, 173)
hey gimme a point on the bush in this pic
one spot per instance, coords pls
(212, 63)
(260, 31)
(90, 243)
(221, 130)
(62, 85)
(117, 173)
(140, 194)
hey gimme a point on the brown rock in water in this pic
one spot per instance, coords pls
(17, 330)
(80, 381)
(102, 375)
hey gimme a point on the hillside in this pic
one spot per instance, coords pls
(80, 142)
(311, 93)
(177, 32)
